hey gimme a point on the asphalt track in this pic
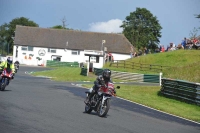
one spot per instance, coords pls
(38, 105)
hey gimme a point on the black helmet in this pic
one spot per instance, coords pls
(106, 74)
(9, 61)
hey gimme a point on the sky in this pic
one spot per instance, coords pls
(175, 16)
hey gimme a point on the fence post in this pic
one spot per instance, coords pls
(160, 78)
(88, 65)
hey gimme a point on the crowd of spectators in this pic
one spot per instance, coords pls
(186, 43)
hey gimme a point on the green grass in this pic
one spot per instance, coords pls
(185, 65)
(65, 74)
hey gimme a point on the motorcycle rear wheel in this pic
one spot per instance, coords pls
(103, 109)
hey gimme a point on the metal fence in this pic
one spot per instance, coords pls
(181, 90)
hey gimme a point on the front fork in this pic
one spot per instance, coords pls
(103, 101)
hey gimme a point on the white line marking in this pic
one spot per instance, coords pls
(158, 110)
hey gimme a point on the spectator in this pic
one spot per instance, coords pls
(146, 51)
(112, 58)
(162, 49)
(189, 44)
(180, 46)
(173, 47)
(106, 57)
(196, 44)
(135, 54)
(194, 41)
(168, 48)
(131, 54)
(184, 42)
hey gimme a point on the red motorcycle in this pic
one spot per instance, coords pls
(100, 102)
(6, 76)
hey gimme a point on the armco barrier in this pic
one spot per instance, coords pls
(182, 90)
(135, 77)
(98, 71)
(151, 78)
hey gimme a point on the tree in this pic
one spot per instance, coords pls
(3, 34)
(142, 29)
(193, 33)
(197, 16)
(7, 31)
(59, 27)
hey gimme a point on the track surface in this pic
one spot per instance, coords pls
(38, 105)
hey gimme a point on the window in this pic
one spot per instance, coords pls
(50, 50)
(27, 48)
(24, 48)
(57, 59)
(75, 52)
(94, 59)
(30, 48)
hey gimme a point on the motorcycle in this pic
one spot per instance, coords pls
(6, 76)
(100, 102)
(16, 67)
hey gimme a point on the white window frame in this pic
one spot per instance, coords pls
(26, 48)
(75, 52)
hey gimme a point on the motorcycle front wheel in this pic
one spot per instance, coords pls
(3, 85)
(88, 108)
(103, 109)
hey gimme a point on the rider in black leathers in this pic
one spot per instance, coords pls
(101, 80)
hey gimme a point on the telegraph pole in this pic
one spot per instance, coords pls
(63, 23)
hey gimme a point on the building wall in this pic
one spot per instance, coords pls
(30, 57)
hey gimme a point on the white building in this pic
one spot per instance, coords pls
(34, 46)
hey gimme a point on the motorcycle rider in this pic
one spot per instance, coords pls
(101, 80)
(8, 64)
(16, 65)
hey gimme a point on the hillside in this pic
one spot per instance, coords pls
(184, 64)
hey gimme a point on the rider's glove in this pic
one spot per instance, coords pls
(13, 76)
(99, 86)
(114, 92)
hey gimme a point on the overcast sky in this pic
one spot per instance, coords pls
(175, 16)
